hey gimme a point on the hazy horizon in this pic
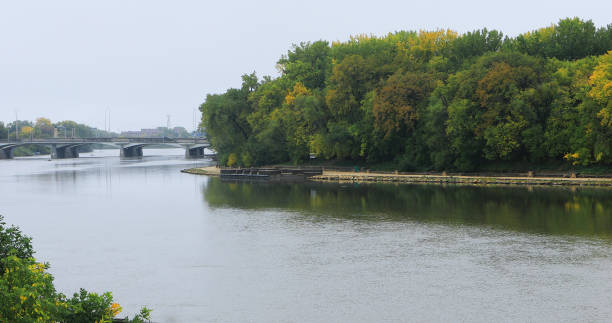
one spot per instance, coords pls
(144, 60)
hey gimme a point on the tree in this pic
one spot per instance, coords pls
(349, 82)
(569, 118)
(498, 105)
(426, 100)
(43, 128)
(396, 102)
(26, 132)
(425, 45)
(474, 44)
(601, 92)
(225, 118)
(569, 39)
(3, 131)
(308, 64)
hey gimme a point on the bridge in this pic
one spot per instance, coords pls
(129, 147)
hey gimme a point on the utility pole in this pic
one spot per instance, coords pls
(168, 126)
(16, 126)
(107, 124)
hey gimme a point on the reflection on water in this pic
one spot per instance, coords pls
(583, 212)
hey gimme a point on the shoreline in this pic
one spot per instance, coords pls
(208, 170)
(361, 177)
(355, 177)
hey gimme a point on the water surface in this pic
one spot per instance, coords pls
(198, 249)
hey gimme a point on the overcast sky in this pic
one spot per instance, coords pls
(145, 59)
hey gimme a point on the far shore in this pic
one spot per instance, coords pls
(393, 177)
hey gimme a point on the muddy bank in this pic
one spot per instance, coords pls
(346, 176)
(336, 176)
(210, 171)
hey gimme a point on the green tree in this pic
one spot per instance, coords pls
(349, 83)
(396, 102)
(225, 118)
(428, 99)
(568, 121)
(601, 88)
(43, 128)
(569, 39)
(308, 64)
(3, 131)
(475, 44)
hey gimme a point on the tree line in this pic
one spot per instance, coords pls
(44, 128)
(427, 100)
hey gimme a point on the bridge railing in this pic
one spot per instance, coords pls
(117, 140)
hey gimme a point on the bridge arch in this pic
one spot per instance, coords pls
(131, 151)
(6, 150)
(135, 150)
(59, 151)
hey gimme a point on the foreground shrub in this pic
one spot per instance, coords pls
(27, 293)
(11, 239)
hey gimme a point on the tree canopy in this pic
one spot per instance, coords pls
(427, 100)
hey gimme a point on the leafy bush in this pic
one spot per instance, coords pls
(27, 293)
(87, 307)
(143, 316)
(11, 239)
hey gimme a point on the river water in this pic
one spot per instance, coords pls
(198, 249)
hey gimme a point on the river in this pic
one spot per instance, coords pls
(198, 249)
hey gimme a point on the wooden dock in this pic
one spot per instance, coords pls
(270, 174)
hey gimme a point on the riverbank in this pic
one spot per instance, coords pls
(209, 170)
(388, 177)
(336, 176)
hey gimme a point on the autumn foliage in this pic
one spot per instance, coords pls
(427, 100)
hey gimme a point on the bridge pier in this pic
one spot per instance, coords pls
(194, 151)
(131, 151)
(6, 152)
(64, 151)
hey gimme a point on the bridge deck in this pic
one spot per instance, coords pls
(129, 147)
(112, 140)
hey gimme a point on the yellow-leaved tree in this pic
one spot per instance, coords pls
(601, 91)
(232, 160)
(26, 131)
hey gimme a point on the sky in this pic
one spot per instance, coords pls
(142, 60)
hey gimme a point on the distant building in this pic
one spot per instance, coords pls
(157, 132)
(130, 134)
(176, 132)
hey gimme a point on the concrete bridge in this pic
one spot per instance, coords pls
(129, 147)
